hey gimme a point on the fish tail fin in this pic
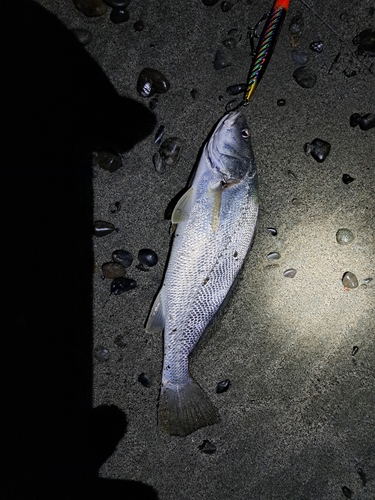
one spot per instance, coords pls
(185, 408)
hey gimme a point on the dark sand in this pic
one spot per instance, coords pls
(298, 419)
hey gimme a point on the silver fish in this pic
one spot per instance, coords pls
(216, 220)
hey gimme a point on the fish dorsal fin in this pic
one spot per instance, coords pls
(156, 321)
(182, 209)
(216, 193)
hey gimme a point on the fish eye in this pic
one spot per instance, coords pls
(245, 133)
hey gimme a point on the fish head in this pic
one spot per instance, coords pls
(229, 150)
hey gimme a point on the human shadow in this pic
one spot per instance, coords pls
(57, 107)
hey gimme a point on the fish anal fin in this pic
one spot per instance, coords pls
(184, 409)
(156, 321)
(182, 209)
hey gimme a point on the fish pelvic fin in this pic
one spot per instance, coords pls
(184, 409)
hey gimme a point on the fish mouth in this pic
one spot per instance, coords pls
(231, 119)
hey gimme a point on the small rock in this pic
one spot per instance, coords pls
(318, 149)
(349, 72)
(220, 62)
(367, 280)
(362, 475)
(102, 228)
(299, 57)
(209, 3)
(289, 273)
(349, 280)
(223, 386)
(153, 103)
(354, 119)
(226, 6)
(316, 46)
(297, 203)
(118, 16)
(117, 4)
(355, 350)
(272, 230)
(108, 160)
(273, 256)
(138, 26)
(194, 93)
(281, 102)
(230, 43)
(366, 42)
(344, 236)
(367, 121)
(239, 88)
(292, 174)
(83, 36)
(305, 77)
(207, 447)
(170, 150)
(159, 134)
(347, 492)
(147, 258)
(347, 179)
(121, 285)
(114, 208)
(123, 257)
(144, 380)
(112, 270)
(91, 8)
(151, 81)
(159, 164)
(101, 353)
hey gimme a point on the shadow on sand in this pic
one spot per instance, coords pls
(57, 107)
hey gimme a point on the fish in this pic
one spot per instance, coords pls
(215, 223)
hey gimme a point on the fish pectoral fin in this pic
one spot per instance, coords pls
(156, 321)
(182, 209)
(216, 193)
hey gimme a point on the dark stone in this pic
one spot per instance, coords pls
(118, 16)
(209, 3)
(108, 160)
(223, 386)
(226, 6)
(144, 380)
(239, 88)
(319, 149)
(112, 270)
(159, 134)
(366, 42)
(281, 102)
(367, 121)
(117, 4)
(305, 77)
(220, 62)
(354, 119)
(347, 179)
(83, 36)
(170, 150)
(316, 46)
(121, 285)
(207, 447)
(91, 8)
(150, 82)
(138, 26)
(230, 43)
(147, 257)
(102, 228)
(123, 257)
(347, 492)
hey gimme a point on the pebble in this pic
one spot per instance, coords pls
(91, 8)
(367, 280)
(347, 179)
(297, 203)
(108, 160)
(367, 121)
(273, 256)
(272, 230)
(147, 258)
(366, 42)
(281, 102)
(138, 26)
(299, 57)
(349, 73)
(114, 208)
(101, 353)
(150, 82)
(118, 16)
(347, 492)
(153, 103)
(305, 77)
(207, 447)
(123, 257)
(220, 62)
(121, 285)
(349, 280)
(194, 93)
(355, 350)
(117, 4)
(239, 88)
(144, 380)
(159, 134)
(344, 236)
(316, 46)
(102, 228)
(112, 270)
(209, 3)
(159, 164)
(226, 6)
(170, 150)
(362, 475)
(230, 43)
(83, 36)
(289, 273)
(223, 386)
(292, 174)
(354, 119)
(318, 149)
(120, 341)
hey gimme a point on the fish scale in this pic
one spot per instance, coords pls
(216, 222)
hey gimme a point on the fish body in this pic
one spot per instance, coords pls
(216, 220)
